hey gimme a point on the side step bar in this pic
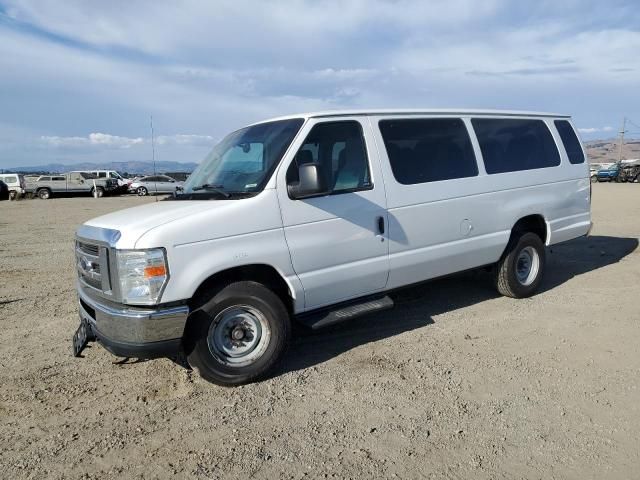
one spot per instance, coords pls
(326, 317)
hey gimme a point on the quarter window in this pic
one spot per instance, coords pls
(570, 141)
(339, 149)
(512, 145)
(428, 150)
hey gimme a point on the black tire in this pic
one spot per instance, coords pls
(594, 179)
(508, 281)
(141, 191)
(99, 192)
(208, 324)
(13, 194)
(44, 193)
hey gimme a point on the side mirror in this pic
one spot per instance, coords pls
(311, 182)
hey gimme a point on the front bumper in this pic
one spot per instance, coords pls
(134, 332)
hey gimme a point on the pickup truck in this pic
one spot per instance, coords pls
(71, 183)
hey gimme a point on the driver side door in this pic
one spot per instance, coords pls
(337, 241)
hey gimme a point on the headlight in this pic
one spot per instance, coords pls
(142, 275)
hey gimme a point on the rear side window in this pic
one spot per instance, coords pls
(428, 150)
(570, 141)
(512, 145)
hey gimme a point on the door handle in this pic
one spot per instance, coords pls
(381, 225)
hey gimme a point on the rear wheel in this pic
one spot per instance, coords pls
(519, 271)
(238, 335)
(141, 191)
(13, 195)
(44, 193)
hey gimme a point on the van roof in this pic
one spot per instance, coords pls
(418, 111)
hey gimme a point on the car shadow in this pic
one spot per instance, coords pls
(417, 305)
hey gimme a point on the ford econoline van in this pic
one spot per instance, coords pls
(315, 218)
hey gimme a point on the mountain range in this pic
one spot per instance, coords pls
(129, 167)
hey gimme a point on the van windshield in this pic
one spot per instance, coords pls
(242, 162)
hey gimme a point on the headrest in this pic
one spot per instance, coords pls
(304, 156)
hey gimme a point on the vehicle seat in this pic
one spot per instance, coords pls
(351, 167)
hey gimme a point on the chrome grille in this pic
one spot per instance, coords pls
(88, 248)
(92, 263)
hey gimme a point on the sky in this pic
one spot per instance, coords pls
(80, 79)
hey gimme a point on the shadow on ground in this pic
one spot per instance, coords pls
(415, 306)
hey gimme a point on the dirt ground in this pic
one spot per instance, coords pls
(455, 382)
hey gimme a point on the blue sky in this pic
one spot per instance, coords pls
(79, 79)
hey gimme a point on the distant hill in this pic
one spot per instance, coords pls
(129, 167)
(606, 151)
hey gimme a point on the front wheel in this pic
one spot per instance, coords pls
(141, 191)
(519, 271)
(238, 335)
(99, 192)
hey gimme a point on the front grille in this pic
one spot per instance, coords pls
(92, 263)
(88, 248)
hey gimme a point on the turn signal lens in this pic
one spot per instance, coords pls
(157, 271)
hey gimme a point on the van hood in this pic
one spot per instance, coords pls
(133, 223)
(170, 223)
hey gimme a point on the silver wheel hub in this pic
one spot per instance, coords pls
(527, 266)
(238, 335)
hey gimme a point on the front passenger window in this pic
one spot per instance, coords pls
(339, 149)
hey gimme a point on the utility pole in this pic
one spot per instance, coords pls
(624, 125)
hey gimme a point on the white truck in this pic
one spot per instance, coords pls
(72, 183)
(315, 218)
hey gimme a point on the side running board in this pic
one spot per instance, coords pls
(324, 318)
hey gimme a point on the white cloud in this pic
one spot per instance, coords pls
(93, 139)
(73, 67)
(115, 141)
(589, 130)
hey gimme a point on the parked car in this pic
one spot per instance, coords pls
(4, 191)
(609, 174)
(154, 184)
(316, 217)
(71, 183)
(16, 184)
(123, 183)
(629, 171)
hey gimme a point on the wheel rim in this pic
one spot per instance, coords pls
(44, 194)
(527, 266)
(238, 335)
(142, 192)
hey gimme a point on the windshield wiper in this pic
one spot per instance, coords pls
(212, 188)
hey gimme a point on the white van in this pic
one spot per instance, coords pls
(109, 174)
(16, 184)
(315, 217)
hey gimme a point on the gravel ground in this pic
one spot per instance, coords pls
(455, 382)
